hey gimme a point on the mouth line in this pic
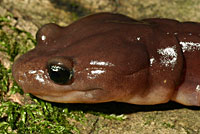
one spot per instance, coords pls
(62, 95)
(77, 96)
(90, 89)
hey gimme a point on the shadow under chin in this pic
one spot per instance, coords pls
(123, 108)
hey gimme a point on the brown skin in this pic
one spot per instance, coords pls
(112, 57)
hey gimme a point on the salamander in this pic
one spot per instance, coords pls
(111, 57)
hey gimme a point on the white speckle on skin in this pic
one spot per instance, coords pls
(32, 71)
(98, 72)
(169, 56)
(95, 72)
(99, 69)
(101, 63)
(41, 71)
(152, 60)
(38, 75)
(91, 77)
(138, 38)
(43, 37)
(39, 78)
(175, 33)
(189, 46)
(45, 76)
(198, 88)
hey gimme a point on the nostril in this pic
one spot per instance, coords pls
(21, 78)
(18, 73)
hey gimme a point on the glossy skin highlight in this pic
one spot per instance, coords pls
(115, 58)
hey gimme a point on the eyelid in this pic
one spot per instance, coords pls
(62, 61)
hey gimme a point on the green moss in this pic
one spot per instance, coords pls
(109, 116)
(4, 77)
(40, 117)
(149, 119)
(168, 125)
(18, 42)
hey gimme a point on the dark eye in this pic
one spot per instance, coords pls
(59, 74)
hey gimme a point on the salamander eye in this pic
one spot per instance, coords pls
(60, 74)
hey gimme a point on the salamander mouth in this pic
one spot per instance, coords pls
(78, 96)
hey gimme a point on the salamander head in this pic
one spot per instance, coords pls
(81, 63)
